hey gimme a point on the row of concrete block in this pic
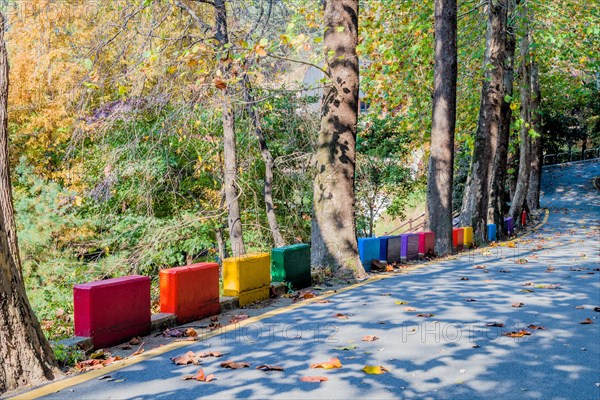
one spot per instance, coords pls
(412, 246)
(115, 310)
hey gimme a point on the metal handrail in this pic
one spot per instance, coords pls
(410, 224)
(559, 158)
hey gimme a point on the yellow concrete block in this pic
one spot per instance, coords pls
(247, 277)
(467, 236)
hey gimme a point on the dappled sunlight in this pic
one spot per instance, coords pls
(454, 353)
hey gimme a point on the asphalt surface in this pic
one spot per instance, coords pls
(450, 355)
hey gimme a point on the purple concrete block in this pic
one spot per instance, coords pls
(410, 247)
(509, 225)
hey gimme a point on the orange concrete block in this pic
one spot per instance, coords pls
(190, 292)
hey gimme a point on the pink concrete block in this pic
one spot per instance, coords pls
(426, 243)
(112, 311)
(190, 292)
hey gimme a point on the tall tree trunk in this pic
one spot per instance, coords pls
(269, 164)
(334, 202)
(441, 161)
(519, 199)
(6, 199)
(229, 148)
(535, 175)
(475, 201)
(26, 354)
(497, 190)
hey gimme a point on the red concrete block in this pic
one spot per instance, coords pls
(112, 311)
(190, 292)
(458, 238)
(426, 243)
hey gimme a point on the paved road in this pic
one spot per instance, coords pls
(432, 358)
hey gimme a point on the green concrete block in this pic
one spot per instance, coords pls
(291, 264)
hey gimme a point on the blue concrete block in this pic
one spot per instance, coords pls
(491, 233)
(368, 250)
(390, 248)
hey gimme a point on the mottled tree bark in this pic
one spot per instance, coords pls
(229, 147)
(6, 199)
(334, 240)
(269, 164)
(475, 201)
(519, 199)
(535, 175)
(497, 191)
(441, 161)
(26, 354)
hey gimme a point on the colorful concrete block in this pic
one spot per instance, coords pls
(389, 248)
(291, 264)
(509, 225)
(426, 243)
(491, 233)
(247, 277)
(112, 311)
(457, 238)
(467, 236)
(410, 247)
(368, 250)
(190, 292)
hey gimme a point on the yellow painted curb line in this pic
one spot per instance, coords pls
(68, 382)
(55, 387)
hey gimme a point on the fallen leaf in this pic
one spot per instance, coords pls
(520, 333)
(518, 305)
(580, 307)
(495, 324)
(527, 291)
(266, 367)
(470, 300)
(374, 369)
(587, 321)
(480, 267)
(333, 363)
(139, 351)
(597, 309)
(234, 364)
(425, 315)
(237, 318)
(219, 83)
(340, 316)
(135, 341)
(323, 301)
(369, 338)
(389, 268)
(504, 271)
(385, 294)
(347, 348)
(173, 333)
(536, 327)
(187, 358)
(209, 354)
(400, 302)
(191, 332)
(200, 377)
(315, 379)
(521, 261)
(111, 360)
(464, 278)
(410, 309)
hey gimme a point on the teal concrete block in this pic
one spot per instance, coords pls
(291, 264)
(368, 250)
